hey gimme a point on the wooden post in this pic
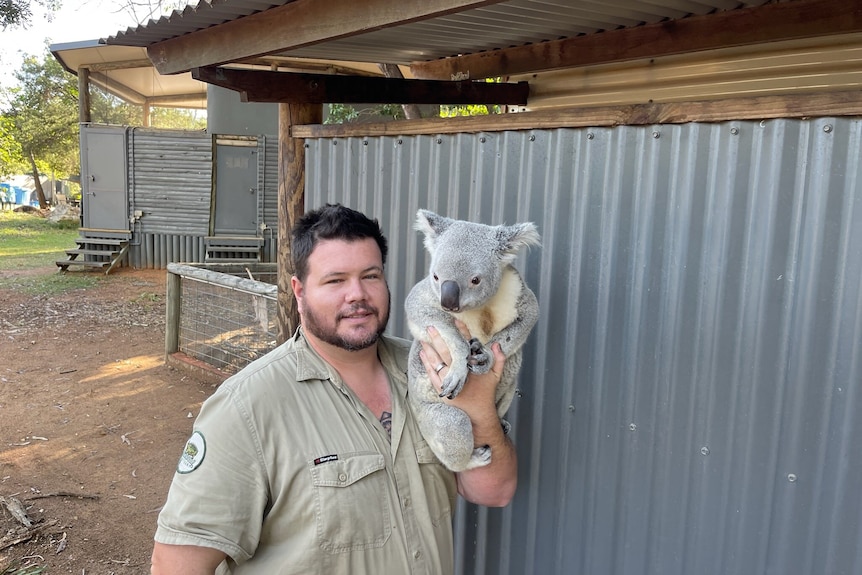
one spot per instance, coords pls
(173, 293)
(291, 203)
(84, 95)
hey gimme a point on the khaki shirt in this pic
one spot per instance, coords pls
(288, 472)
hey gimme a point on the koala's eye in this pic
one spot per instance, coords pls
(475, 281)
(436, 278)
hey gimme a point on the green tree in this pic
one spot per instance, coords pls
(19, 13)
(11, 155)
(177, 119)
(43, 112)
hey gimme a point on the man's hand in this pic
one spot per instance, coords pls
(477, 398)
(492, 485)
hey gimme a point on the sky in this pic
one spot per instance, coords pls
(76, 21)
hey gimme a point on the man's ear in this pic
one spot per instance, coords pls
(297, 288)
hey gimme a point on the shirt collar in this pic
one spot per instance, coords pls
(310, 366)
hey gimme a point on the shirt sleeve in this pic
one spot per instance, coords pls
(219, 493)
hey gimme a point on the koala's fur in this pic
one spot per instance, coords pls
(471, 279)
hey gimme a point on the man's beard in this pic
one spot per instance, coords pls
(330, 335)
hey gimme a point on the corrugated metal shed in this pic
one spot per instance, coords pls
(169, 178)
(690, 398)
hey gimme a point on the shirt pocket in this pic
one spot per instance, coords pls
(439, 482)
(352, 506)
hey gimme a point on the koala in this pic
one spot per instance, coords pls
(471, 279)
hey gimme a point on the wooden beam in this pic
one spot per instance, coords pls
(287, 87)
(84, 95)
(292, 25)
(291, 205)
(847, 103)
(119, 65)
(767, 23)
(118, 89)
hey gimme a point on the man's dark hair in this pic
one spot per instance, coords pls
(331, 222)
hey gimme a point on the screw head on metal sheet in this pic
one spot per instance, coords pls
(734, 131)
(633, 427)
(704, 450)
(399, 142)
(482, 140)
(572, 408)
(518, 393)
(590, 135)
(791, 477)
(532, 138)
(439, 140)
(334, 142)
(827, 128)
(656, 135)
(364, 142)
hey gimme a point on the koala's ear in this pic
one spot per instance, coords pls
(512, 238)
(432, 225)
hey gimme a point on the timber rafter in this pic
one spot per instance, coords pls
(293, 88)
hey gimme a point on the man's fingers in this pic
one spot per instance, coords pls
(462, 327)
(499, 360)
(439, 346)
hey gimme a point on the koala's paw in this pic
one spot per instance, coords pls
(453, 383)
(481, 457)
(480, 359)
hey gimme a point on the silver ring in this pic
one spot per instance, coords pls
(439, 367)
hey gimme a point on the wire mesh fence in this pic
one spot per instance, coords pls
(223, 315)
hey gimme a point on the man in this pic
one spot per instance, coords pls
(308, 460)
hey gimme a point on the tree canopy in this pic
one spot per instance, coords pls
(41, 117)
(19, 13)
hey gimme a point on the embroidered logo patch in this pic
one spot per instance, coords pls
(193, 453)
(325, 459)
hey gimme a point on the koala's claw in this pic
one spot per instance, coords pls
(479, 360)
(453, 383)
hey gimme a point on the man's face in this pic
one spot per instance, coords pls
(344, 300)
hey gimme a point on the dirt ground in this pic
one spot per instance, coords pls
(92, 423)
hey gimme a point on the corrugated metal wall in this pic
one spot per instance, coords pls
(268, 192)
(170, 182)
(690, 398)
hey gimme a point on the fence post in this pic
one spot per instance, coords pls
(173, 291)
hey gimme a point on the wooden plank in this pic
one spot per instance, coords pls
(767, 23)
(847, 103)
(100, 241)
(297, 88)
(295, 24)
(67, 263)
(82, 252)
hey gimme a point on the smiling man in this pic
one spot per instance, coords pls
(309, 460)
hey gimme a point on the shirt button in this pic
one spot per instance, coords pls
(406, 502)
(417, 554)
(342, 477)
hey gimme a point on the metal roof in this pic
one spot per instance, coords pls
(126, 72)
(475, 30)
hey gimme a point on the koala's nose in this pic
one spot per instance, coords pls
(450, 295)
